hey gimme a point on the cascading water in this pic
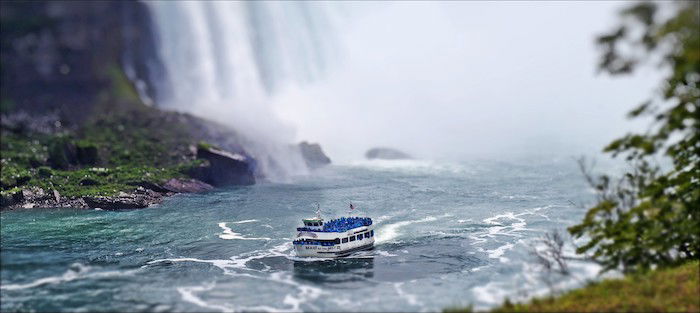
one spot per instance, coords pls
(225, 60)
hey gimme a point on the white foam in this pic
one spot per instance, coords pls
(75, 271)
(384, 253)
(535, 211)
(390, 231)
(187, 295)
(293, 302)
(229, 234)
(498, 252)
(244, 221)
(410, 298)
(478, 268)
(492, 293)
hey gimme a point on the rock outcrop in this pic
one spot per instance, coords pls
(141, 198)
(186, 186)
(386, 154)
(313, 155)
(223, 168)
(145, 195)
(69, 50)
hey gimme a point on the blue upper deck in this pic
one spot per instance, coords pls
(342, 224)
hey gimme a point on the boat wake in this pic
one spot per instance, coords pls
(241, 266)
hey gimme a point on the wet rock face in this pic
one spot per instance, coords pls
(142, 198)
(223, 168)
(145, 195)
(36, 197)
(386, 154)
(313, 155)
(186, 185)
(57, 55)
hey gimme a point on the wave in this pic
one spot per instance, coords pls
(244, 221)
(390, 231)
(498, 252)
(75, 272)
(305, 294)
(414, 166)
(229, 234)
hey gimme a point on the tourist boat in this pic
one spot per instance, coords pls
(335, 238)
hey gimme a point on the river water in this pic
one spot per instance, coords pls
(448, 234)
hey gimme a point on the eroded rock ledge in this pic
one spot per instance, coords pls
(142, 197)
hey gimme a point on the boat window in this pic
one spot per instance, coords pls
(359, 236)
(366, 235)
(371, 233)
(352, 238)
(337, 241)
(345, 239)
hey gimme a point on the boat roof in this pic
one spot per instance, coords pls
(312, 219)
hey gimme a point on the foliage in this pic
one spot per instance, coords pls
(651, 216)
(127, 135)
(466, 309)
(103, 181)
(205, 145)
(132, 157)
(668, 290)
(25, 151)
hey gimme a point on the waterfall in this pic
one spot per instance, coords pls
(225, 60)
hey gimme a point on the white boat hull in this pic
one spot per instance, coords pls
(341, 250)
(334, 250)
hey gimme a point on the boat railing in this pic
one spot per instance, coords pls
(314, 243)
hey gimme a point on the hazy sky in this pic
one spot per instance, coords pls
(456, 80)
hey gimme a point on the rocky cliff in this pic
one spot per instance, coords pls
(58, 57)
(79, 124)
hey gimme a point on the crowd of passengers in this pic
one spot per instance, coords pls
(360, 236)
(344, 223)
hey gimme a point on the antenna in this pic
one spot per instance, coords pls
(318, 210)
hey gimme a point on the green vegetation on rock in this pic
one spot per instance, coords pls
(76, 180)
(668, 290)
(121, 147)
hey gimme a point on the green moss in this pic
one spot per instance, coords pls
(206, 145)
(10, 192)
(12, 175)
(44, 172)
(122, 88)
(24, 151)
(6, 105)
(662, 290)
(103, 181)
(60, 151)
(131, 159)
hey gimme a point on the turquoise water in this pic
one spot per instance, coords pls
(447, 234)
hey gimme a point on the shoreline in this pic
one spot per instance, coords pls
(142, 197)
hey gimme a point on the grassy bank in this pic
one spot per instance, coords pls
(664, 290)
(46, 161)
